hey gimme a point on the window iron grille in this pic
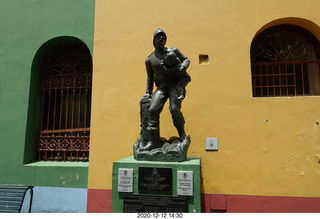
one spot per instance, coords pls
(285, 62)
(65, 96)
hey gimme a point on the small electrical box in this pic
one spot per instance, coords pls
(211, 144)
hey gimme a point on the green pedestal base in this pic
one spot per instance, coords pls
(191, 164)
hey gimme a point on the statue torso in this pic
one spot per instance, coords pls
(161, 77)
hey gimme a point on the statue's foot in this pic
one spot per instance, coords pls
(149, 146)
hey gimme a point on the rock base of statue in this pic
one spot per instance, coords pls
(172, 150)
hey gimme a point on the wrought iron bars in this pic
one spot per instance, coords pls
(64, 145)
(65, 93)
(286, 79)
(285, 62)
(66, 105)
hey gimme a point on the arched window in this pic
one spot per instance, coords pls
(285, 62)
(65, 104)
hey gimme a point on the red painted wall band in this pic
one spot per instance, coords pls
(262, 204)
(99, 201)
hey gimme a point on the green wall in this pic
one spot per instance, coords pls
(26, 26)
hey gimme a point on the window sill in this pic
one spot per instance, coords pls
(57, 164)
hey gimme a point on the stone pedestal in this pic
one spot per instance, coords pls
(149, 186)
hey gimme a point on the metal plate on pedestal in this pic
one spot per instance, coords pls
(125, 180)
(155, 178)
(154, 203)
(185, 183)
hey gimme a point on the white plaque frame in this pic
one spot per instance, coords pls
(125, 180)
(185, 183)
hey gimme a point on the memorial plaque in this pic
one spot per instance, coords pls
(125, 180)
(155, 179)
(154, 203)
(185, 183)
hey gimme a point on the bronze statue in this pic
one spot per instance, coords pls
(166, 67)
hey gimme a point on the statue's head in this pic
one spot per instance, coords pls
(159, 38)
(171, 59)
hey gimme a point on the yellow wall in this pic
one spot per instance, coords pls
(279, 157)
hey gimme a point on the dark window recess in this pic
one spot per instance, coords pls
(285, 62)
(203, 59)
(65, 104)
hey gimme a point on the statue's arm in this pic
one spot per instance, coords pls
(150, 76)
(185, 62)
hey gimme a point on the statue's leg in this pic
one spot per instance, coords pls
(175, 109)
(156, 105)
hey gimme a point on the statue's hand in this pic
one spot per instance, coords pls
(146, 96)
(182, 68)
